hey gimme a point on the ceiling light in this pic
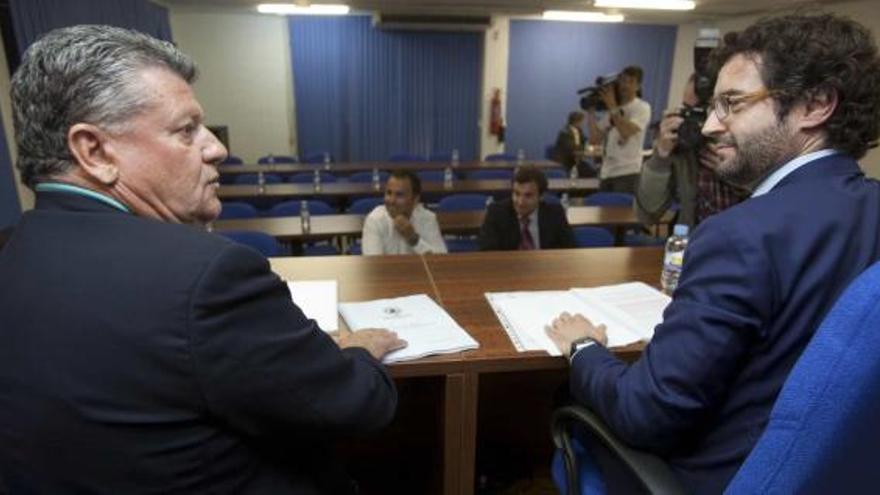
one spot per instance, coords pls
(579, 16)
(647, 4)
(293, 9)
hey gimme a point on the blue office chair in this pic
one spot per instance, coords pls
(822, 433)
(308, 177)
(430, 175)
(609, 199)
(355, 249)
(592, 237)
(292, 208)
(273, 159)
(320, 249)
(250, 179)
(440, 156)
(500, 157)
(404, 156)
(367, 176)
(237, 209)
(262, 242)
(316, 156)
(364, 206)
(232, 160)
(491, 174)
(555, 173)
(463, 202)
(462, 244)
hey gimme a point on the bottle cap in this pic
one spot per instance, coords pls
(680, 229)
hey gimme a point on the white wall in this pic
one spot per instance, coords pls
(245, 79)
(866, 12)
(496, 51)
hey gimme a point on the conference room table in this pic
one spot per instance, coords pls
(323, 227)
(458, 282)
(345, 168)
(339, 190)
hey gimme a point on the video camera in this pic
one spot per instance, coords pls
(590, 97)
(690, 133)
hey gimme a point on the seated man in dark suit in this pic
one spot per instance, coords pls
(525, 221)
(796, 103)
(570, 141)
(139, 353)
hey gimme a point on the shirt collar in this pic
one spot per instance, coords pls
(770, 182)
(80, 191)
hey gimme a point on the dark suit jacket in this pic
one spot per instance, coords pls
(501, 228)
(566, 149)
(758, 279)
(139, 356)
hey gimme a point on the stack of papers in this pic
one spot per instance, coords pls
(629, 311)
(317, 299)
(417, 319)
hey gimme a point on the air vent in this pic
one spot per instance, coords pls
(411, 22)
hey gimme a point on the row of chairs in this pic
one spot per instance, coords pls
(367, 176)
(403, 156)
(362, 206)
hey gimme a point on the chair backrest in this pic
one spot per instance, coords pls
(261, 241)
(501, 157)
(367, 176)
(440, 156)
(308, 177)
(237, 209)
(592, 237)
(609, 199)
(491, 174)
(272, 159)
(364, 206)
(555, 173)
(291, 208)
(404, 156)
(822, 434)
(232, 160)
(463, 202)
(316, 156)
(462, 245)
(430, 175)
(255, 178)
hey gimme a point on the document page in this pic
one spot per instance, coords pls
(426, 327)
(636, 306)
(317, 299)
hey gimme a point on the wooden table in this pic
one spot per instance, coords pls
(458, 283)
(348, 168)
(465, 222)
(348, 189)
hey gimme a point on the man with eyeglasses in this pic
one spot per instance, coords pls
(796, 103)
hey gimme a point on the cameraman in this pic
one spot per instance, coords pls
(622, 130)
(682, 174)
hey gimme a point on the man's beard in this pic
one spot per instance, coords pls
(757, 156)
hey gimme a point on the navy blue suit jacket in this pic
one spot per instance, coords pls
(501, 228)
(757, 281)
(144, 357)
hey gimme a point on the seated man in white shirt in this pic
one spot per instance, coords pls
(402, 225)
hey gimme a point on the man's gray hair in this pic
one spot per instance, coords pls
(81, 74)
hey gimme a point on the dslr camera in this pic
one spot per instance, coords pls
(590, 97)
(690, 133)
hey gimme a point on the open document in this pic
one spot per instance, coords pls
(417, 319)
(317, 299)
(629, 311)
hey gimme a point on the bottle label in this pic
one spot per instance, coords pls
(674, 261)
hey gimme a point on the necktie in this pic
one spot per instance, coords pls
(525, 239)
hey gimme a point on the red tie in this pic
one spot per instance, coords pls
(526, 241)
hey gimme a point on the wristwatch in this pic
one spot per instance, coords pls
(581, 343)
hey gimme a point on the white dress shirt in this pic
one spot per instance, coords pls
(380, 236)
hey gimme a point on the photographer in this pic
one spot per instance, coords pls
(683, 172)
(622, 130)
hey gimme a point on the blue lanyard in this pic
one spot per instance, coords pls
(68, 188)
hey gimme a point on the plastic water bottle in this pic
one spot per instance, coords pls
(455, 157)
(565, 200)
(326, 161)
(573, 174)
(520, 156)
(316, 181)
(271, 159)
(447, 177)
(305, 217)
(377, 180)
(673, 259)
(489, 201)
(261, 182)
